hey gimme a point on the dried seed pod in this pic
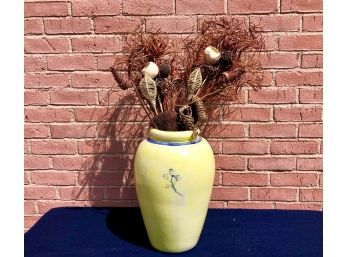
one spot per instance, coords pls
(226, 60)
(148, 90)
(231, 75)
(164, 70)
(167, 120)
(194, 82)
(185, 115)
(200, 110)
(151, 69)
(209, 70)
(211, 55)
(122, 80)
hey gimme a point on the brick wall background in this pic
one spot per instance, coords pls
(269, 154)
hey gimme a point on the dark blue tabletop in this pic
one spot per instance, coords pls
(108, 232)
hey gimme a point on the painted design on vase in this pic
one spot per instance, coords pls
(172, 178)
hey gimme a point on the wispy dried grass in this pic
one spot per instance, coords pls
(239, 66)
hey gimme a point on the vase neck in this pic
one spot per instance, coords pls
(171, 136)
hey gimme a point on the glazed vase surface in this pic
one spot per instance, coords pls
(174, 176)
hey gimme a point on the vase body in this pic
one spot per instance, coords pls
(174, 177)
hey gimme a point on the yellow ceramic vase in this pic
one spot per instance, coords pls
(174, 176)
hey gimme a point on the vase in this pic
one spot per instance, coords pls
(174, 175)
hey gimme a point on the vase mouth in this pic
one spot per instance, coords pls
(171, 136)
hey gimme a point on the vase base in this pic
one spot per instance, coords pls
(186, 249)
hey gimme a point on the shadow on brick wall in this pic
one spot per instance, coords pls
(107, 176)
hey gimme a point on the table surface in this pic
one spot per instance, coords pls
(99, 232)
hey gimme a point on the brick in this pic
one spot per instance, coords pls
(96, 44)
(312, 23)
(171, 25)
(301, 5)
(53, 147)
(99, 7)
(312, 61)
(272, 163)
(68, 26)
(311, 95)
(310, 130)
(216, 204)
(321, 180)
(252, 6)
(36, 131)
(244, 179)
(273, 194)
(225, 193)
(108, 163)
(81, 193)
(267, 79)
(31, 80)
(271, 42)
(247, 114)
(30, 220)
(53, 178)
(315, 163)
(112, 97)
(71, 62)
(290, 78)
(277, 23)
(249, 205)
(301, 42)
(106, 61)
(92, 80)
(33, 26)
(215, 145)
(39, 193)
(224, 131)
(101, 146)
(36, 98)
(297, 114)
(147, 7)
(29, 207)
(245, 147)
(68, 163)
(196, 7)
(124, 130)
(311, 195)
(26, 146)
(53, 80)
(47, 115)
(272, 96)
(273, 130)
(280, 61)
(299, 206)
(226, 162)
(46, 45)
(44, 9)
(26, 178)
(294, 147)
(73, 131)
(294, 179)
(73, 98)
(124, 192)
(101, 178)
(217, 178)
(45, 206)
(36, 162)
(116, 24)
(34, 63)
(94, 114)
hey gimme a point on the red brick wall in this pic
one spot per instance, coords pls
(268, 156)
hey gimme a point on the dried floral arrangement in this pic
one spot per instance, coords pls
(181, 85)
